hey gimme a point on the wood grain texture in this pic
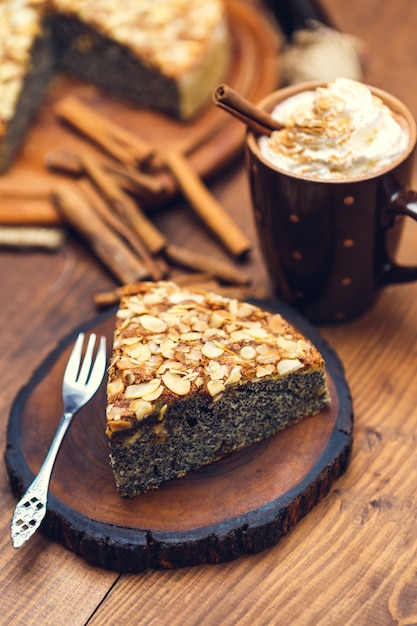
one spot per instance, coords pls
(351, 561)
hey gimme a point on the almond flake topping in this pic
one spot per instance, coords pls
(171, 341)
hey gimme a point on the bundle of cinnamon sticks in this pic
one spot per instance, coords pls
(102, 202)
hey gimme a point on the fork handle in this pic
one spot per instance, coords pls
(43, 477)
(31, 508)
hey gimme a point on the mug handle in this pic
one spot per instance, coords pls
(402, 201)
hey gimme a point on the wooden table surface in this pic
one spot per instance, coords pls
(352, 560)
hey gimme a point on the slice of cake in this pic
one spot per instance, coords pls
(157, 53)
(195, 376)
(26, 65)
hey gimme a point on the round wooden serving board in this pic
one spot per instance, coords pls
(210, 140)
(241, 504)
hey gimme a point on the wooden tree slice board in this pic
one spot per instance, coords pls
(241, 504)
(211, 140)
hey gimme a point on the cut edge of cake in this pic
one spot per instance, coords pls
(194, 376)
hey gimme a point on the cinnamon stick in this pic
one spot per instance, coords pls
(114, 221)
(254, 117)
(120, 143)
(17, 190)
(195, 277)
(28, 212)
(104, 242)
(201, 263)
(206, 206)
(125, 206)
(134, 181)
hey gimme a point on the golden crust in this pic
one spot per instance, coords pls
(170, 342)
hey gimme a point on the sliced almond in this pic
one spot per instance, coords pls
(115, 386)
(215, 387)
(152, 323)
(194, 355)
(248, 353)
(141, 408)
(142, 389)
(153, 298)
(200, 326)
(169, 319)
(177, 384)
(239, 335)
(264, 370)
(302, 346)
(212, 350)
(276, 323)
(167, 347)
(217, 371)
(139, 351)
(233, 307)
(136, 306)
(245, 310)
(271, 355)
(125, 363)
(288, 347)
(115, 425)
(191, 336)
(182, 297)
(217, 320)
(288, 365)
(154, 395)
(124, 314)
(257, 333)
(235, 375)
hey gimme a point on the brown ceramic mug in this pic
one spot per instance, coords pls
(329, 245)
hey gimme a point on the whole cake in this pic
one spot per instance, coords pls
(194, 376)
(164, 54)
(26, 65)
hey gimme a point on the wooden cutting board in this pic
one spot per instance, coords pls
(210, 140)
(241, 504)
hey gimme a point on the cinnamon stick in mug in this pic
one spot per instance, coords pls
(234, 103)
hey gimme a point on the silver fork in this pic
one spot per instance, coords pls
(81, 381)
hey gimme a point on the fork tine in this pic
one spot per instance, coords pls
(99, 364)
(75, 357)
(85, 369)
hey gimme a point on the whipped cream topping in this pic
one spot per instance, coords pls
(334, 132)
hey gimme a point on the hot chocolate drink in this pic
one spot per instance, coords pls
(335, 132)
(330, 192)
